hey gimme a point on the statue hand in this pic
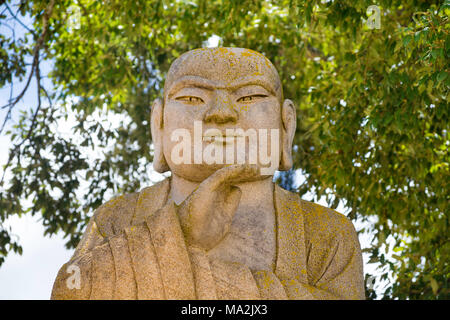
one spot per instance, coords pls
(206, 215)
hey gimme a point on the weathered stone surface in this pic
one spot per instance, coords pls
(216, 230)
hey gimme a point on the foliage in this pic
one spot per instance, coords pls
(372, 111)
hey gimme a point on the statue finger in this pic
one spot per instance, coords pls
(230, 175)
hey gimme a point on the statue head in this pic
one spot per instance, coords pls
(221, 106)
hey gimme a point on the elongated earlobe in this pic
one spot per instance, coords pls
(289, 119)
(156, 125)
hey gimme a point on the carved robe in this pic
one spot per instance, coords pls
(134, 248)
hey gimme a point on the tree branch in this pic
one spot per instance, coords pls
(36, 51)
(18, 20)
(34, 70)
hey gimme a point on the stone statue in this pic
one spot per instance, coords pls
(218, 228)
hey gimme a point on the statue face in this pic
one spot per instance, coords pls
(221, 106)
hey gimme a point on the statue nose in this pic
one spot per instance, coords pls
(222, 111)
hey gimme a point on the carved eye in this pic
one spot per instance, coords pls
(251, 98)
(190, 99)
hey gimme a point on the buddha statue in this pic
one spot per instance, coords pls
(218, 228)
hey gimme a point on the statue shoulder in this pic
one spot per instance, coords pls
(115, 214)
(326, 223)
(123, 211)
(318, 221)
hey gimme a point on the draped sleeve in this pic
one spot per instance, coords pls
(319, 255)
(151, 260)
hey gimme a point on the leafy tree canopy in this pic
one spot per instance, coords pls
(373, 115)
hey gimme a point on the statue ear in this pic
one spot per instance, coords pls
(289, 119)
(156, 126)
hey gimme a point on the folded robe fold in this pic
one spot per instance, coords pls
(151, 261)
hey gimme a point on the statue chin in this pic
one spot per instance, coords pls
(194, 172)
(200, 172)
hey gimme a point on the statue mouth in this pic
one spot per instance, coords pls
(221, 139)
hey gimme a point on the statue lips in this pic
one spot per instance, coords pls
(220, 138)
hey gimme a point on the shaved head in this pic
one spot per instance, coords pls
(220, 89)
(225, 67)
